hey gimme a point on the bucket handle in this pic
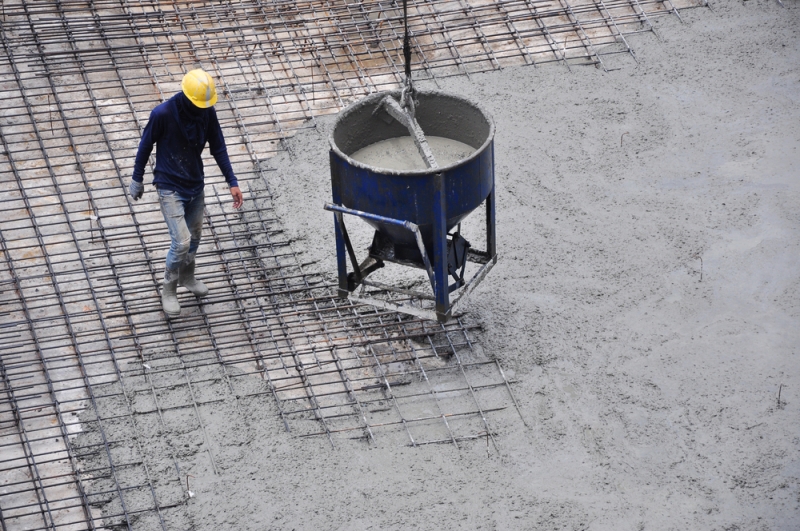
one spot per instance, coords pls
(408, 225)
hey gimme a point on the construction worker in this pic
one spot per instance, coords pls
(180, 128)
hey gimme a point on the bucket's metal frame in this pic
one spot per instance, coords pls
(436, 268)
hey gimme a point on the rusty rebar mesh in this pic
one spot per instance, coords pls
(92, 374)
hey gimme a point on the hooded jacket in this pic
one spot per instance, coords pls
(180, 130)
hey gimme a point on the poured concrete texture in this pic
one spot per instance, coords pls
(645, 307)
(646, 299)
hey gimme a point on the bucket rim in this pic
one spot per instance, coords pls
(376, 96)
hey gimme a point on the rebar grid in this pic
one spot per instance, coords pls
(99, 392)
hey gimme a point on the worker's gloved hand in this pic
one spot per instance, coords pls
(136, 190)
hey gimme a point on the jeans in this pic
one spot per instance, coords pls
(184, 217)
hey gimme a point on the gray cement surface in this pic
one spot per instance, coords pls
(402, 154)
(647, 299)
(646, 302)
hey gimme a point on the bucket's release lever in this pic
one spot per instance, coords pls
(407, 119)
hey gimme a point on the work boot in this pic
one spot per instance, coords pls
(187, 280)
(169, 297)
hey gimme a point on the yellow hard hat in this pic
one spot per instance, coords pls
(198, 86)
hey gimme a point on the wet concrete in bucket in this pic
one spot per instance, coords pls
(401, 154)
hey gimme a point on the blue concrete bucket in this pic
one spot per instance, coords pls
(410, 194)
(413, 193)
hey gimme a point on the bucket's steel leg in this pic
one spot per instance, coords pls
(440, 249)
(338, 225)
(491, 237)
(357, 271)
(341, 255)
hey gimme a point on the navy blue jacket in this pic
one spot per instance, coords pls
(180, 131)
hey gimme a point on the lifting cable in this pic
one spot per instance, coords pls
(406, 43)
